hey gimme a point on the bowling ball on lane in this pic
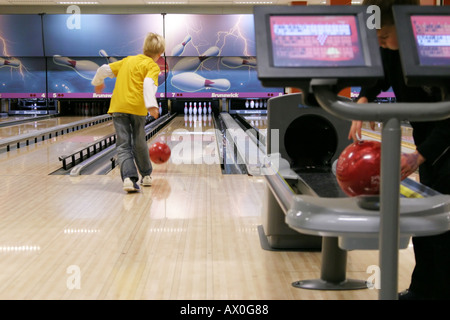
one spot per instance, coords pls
(159, 152)
(358, 168)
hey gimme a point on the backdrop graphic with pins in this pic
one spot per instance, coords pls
(205, 54)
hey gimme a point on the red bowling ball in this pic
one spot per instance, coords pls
(358, 168)
(159, 152)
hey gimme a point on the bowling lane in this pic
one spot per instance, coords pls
(5, 120)
(43, 157)
(34, 126)
(192, 140)
(257, 121)
(192, 235)
(407, 139)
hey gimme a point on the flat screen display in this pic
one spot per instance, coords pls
(315, 41)
(432, 35)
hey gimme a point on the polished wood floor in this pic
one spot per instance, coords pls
(192, 235)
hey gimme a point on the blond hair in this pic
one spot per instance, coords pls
(154, 44)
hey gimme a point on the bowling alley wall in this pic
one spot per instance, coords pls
(49, 57)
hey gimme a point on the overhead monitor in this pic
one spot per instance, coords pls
(297, 44)
(424, 43)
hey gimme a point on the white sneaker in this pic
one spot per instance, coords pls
(146, 181)
(130, 186)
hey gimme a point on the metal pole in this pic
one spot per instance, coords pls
(390, 208)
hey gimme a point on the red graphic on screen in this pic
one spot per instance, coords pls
(315, 41)
(432, 35)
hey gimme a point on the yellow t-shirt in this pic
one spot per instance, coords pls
(128, 93)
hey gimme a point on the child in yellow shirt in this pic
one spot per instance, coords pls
(134, 96)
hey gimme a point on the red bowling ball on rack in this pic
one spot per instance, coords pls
(159, 152)
(358, 168)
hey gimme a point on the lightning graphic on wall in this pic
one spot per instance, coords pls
(7, 61)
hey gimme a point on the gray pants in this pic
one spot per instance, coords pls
(132, 149)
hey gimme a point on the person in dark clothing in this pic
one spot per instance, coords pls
(431, 274)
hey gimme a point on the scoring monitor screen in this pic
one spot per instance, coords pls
(315, 41)
(432, 34)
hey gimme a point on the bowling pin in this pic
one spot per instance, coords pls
(103, 53)
(199, 108)
(84, 68)
(185, 108)
(209, 108)
(191, 64)
(194, 110)
(9, 62)
(160, 109)
(190, 107)
(246, 104)
(191, 82)
(179, 48)
(204, 108)
(252, 104)
(236, 62)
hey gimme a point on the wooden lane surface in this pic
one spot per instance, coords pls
(192, 235)
(42, 158)
(35, 126)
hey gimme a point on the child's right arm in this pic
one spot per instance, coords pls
(103, 72)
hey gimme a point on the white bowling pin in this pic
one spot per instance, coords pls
(204, 108)
(85, 68)
(9, 62)
(194, 110)
(191, 64)
(179, 48)
(199, 108)
(185, 108)
(236, 62)
(209, 109)
(190, 107)
(103, 53)
(191, 82)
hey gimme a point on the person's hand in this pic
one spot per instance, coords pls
(154, 112)
(409, 163)
(355, 129)
(99, 88)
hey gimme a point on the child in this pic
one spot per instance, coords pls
(431, 276)
(132, 99)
